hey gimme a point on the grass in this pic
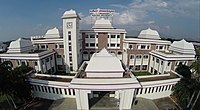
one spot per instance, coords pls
(141, 73)
(64, 73)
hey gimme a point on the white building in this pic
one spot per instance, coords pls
(103, 60)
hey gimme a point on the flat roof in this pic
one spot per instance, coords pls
(52, 78)
(157, 78)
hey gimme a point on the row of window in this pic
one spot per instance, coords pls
(139, 56)
(57, 46)
(161, 62)
(109, 36)
(93, 45)
(92, 52)
(153, 89)
(137, 67)
(52, 90)
(140, 47)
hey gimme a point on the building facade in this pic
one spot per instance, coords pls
(103, 60)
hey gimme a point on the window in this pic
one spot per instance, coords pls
(153, 58)
(56, 46)
(161, 47)
(143, 46)
(87, 45)
(161, 62)
(35, 63)
(96, 36)
(118, 45)
(155, 71)
(148, 47)
(157, 60)
(70, 58)
(137, 67)
(131, 56)
(86, 36)
(51, 57)
(69, 37)
(130, 67)
(112, 45)
(92, 36)
(108, 36)
(130, 46)
(96, 45)
(151, 70)
(70, 43)
(119, 53)
(92, 44)
(118, 36)
(69, 32)
(145, 56)
(23, 63)
(144, 67)
(168, 64)
(42, 46)
(70, 48)
(138, 56)
(112, 36)
(61, 46)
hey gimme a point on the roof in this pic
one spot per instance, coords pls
(52, 33)
(104, 62)
(104, 84)
(183, 47)
(70, 14)
(20, 45)
(102, 24)
(146, 41)
(149, 34)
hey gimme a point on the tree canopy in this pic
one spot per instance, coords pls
(14, 82)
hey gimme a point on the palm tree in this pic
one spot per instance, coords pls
(14, 83)
(184, 90)
(6, 82)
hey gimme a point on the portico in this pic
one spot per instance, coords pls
(122, 82)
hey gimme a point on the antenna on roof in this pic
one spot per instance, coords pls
(101, 13)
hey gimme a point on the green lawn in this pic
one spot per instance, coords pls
(64, 73)
(140, 73)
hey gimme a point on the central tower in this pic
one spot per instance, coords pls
(71, 40)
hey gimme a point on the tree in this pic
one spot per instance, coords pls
(184, 71)
(186, 88)
(6, 81)
(196, 66)
(14, 82)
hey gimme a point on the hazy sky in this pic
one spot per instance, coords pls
(172, 18)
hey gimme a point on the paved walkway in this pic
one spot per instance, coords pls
(143, 104)
(165, 104)
(64, 104)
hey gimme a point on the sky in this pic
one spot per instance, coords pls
(171, 18)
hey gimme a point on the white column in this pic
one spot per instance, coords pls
(126, 98)
(82, 101)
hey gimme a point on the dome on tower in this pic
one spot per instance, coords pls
(53, 33)
(149, 34)
(183, 47)
(20, 45)
(102, 24)
(70, 14)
